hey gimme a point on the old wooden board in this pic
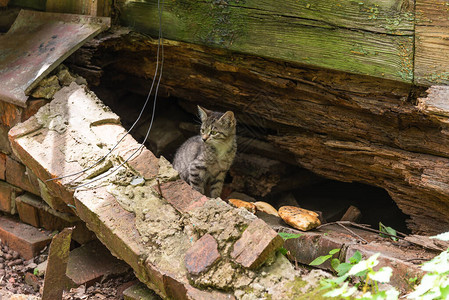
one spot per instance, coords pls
(36, 44)
(364, 37)
(432, 42)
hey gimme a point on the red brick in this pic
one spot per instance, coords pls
(17, 174)
(256, 244)
(8, 195)
(181, 195)
(23, 238)
(9, 114)
(2, 166)
(92, 262)
(202, 255)
(5, 146)
(27, 213)
(146, 164)
(33, 106)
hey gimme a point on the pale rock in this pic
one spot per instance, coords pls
(266, 208)
(240, 203)
(299, 218)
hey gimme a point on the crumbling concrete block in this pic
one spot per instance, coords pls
(149, 224)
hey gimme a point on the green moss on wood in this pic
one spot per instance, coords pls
(360, 37)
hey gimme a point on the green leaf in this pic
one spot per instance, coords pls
(283, 251)
(287, 236)
(343, 268)
(364, 265)
(388, 230)
(333, 251)
(335, 262)
(442, 236)
(35, 272)
(383, 275)
(355, 258)
(319, 260)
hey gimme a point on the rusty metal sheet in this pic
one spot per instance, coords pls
(37, 43)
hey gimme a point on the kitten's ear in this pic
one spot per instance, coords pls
(228, 118)
(203, 113)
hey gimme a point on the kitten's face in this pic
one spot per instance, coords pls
(216, 127)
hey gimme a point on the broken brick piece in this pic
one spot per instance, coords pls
(23, 238)
(8, 195)
(146, 164)
(2, 166)
(202, 255)
(55, 280)
(255, 245)
(16, 174)
(181, 195)
(27, 213)
(91, 262)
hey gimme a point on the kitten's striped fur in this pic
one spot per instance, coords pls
(203, 160)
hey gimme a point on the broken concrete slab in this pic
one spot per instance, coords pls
(91, 263)
(23, 238)
(143, 213)
(35, 44)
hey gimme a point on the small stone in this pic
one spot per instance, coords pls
(266, 208)
(15, 262)
(202, 255)
(40, 269)
(240, 203)
(299, 218)
(2, 266)
(32, 280)
(65, 78)
(15, 254)
(47, 88)
(8, 256)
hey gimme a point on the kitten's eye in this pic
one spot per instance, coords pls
(202, 130)
(213, 132)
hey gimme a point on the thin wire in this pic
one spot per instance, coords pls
(161, 45)
(138, 118)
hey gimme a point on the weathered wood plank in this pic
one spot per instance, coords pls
(432, 42)
(30, 4)
(368, 38)
(101, 8)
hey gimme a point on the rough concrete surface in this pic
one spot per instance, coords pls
(130, 212)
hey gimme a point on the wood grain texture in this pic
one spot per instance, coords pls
(364, 37)
(346, 127)
(432, 42)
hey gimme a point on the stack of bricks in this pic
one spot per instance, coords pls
(21, 192)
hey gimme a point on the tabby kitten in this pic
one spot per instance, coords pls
(203, 160)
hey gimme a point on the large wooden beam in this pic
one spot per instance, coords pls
(364, 37)
(432, 42)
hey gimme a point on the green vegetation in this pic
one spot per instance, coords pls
(358, 279)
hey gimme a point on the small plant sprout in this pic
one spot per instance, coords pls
(364, 271)
(435, 283)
